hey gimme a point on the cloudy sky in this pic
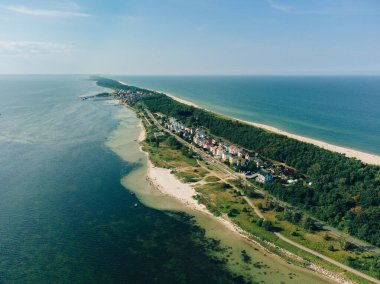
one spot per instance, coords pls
(190, 37)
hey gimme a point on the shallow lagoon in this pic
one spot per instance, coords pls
(66, 212)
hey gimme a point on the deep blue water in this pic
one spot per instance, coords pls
(64, 216)
(342, 110)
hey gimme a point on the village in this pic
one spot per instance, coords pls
(243, 161)
(130, 97)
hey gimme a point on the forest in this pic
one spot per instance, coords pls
(344, 193)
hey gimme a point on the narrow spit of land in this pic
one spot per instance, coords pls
(223, 168)
(361, 155)
(257, 211)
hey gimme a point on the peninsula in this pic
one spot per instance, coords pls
(286, 194)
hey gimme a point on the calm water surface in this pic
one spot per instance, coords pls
(64, 216)
(66, 212)
(340, 110)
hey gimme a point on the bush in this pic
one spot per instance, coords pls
(233, 212)
(259, 222)
(267, 225)
(331, 248)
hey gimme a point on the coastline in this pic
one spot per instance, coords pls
(161, 191)
(165, 182)
(162, 180)
(365, 157)
(360, 155)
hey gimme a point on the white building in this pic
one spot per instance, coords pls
(264, 176)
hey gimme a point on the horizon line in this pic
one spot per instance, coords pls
(190, 75)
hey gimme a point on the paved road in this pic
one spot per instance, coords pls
(226, 170)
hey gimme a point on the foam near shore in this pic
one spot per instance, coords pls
(363, 156)
(165, 192)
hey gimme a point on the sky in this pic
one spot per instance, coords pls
(190, 37)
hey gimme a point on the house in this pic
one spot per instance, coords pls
(232, 149)
(213, 149)
(218, 154)
(207, 144)
(264, 176)
(215, 141)
(232, 160)
(195, 139)
(200, 133)
(200, 142)
(225, 156)
(219, 151)
(175, 125)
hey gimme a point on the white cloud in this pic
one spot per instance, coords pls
(275, 5)
(32, 47)
(43, 12)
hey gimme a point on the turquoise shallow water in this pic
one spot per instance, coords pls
(64, 216)
(340, 110)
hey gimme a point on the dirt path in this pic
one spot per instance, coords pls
(228, 172)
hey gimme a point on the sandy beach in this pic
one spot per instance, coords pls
(168, 184)
(163, 180)
(164, 183)
(363, 156)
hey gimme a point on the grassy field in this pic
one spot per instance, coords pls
(221, 196)
(323, 242)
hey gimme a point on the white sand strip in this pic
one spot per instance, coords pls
(363, 156)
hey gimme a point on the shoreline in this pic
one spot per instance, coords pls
(365, 157)
(162, 180)
(165, 183)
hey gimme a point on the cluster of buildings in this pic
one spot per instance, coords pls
(130, 96)
(226, 152)
(263, 171)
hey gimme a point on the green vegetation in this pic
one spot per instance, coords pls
(344, 192)
(212, 179)
(223, 197)
(296, 226)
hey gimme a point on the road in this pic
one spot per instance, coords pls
(222, 167)
(345, 267)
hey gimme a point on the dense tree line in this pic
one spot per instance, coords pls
(345, 192)
(112, 84)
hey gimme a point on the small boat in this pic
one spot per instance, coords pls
(135, 205)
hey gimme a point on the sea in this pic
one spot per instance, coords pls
(340, 110)
(75, 206)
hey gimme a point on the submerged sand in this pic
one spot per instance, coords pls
(158, 188)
